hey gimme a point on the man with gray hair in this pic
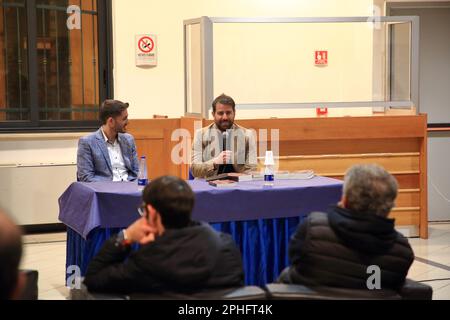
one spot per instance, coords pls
(336, 248)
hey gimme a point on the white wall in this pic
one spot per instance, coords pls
(37, 149)
(32, 165)
(160, 90)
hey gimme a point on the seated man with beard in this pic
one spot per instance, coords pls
(109, 154)
(223, 146)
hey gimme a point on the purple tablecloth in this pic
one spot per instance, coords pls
(86, 206)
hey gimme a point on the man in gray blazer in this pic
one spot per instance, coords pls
(223, 146)
(109, 154)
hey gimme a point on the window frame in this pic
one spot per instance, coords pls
(105, 67)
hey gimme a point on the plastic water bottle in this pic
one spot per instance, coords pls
(269, 165)
(142, 176)
(268, 175)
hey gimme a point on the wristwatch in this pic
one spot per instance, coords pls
(122, 239)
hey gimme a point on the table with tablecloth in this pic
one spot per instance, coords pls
(260, 218)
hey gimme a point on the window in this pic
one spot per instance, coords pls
(54, 63)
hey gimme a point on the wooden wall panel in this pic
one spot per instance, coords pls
(188, 123)
(405, 181)
(154, 152)
(348, 146)
(423, 185)
(342, 128)
(153, 139)
(408, 181)
(408, 198)
(330, 165)
(407, 216)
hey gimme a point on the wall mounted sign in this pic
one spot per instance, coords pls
(321, 58)
(146, 50)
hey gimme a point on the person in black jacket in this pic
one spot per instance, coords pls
(176, 254)
(336, 248)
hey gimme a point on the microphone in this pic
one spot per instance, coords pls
(224, 148)
(225, 140)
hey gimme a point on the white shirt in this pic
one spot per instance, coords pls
(120, 172)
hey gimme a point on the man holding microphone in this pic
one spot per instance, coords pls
(223, 146)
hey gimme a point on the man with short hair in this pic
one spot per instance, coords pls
(176, 253)
(336, 248)
(11, 280)
(223, 146)
(109, 154)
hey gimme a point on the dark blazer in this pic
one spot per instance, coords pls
(336, 248)
(93, 162)
(187, 259)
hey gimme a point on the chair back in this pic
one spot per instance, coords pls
(30, 290)
(234, 293)
(411, 290)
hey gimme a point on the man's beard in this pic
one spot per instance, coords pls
(225, 125)
(121, 129)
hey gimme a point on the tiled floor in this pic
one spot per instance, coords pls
(47, 253)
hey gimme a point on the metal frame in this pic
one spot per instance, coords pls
(206, 66)
(207, 63)
(105, 68)
(390, 65)
(186, 23)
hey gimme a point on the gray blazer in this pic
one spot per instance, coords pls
(208, 144)
(93, 162)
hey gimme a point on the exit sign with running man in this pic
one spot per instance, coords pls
(321, 58)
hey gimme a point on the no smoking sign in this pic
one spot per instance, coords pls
(146, 44)
(145, 50)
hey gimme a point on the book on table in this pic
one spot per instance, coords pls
(256, 176)
(234, 176)
(224, 183)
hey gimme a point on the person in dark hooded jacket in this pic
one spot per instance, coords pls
(176, 253)
(336, 248)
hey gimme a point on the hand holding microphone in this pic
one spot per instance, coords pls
(225, 156)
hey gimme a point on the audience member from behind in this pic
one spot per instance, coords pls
(109, 154)
(176, 254)
(336, 248)
(11, 280)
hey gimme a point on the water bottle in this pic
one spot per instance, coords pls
(269, 165)
(142, 179)
(268, 175)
